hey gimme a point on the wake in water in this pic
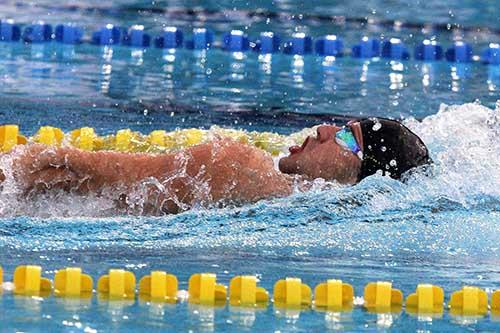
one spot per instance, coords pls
(463, 141)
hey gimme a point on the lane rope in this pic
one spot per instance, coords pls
(158, 141)
(289, 293)
(268, 42)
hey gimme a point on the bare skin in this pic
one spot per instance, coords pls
(322, 157)
(222, 171)
(219, 172)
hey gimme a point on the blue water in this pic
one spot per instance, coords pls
(443, 229)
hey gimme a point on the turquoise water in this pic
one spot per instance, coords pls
(443, 229)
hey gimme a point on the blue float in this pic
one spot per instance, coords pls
(428, 50)
(329, 45)
(108, 35)
(9, 31)
(37, 32)
(491, 55)
(235, 41)
(367, 48)
(459, 52)
(68, 34)
(395, 49)
(202, 39)
(170, 38)
(268, 43)
(136, 37)
(299, 44)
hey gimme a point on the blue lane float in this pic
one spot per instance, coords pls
(459, 52)
(136, 37)
(394, 49)
(68, 34)
(170, 38)
(491, 55)
(329, 45)
(428, 50)
(268, 43)
(9, 31)
(299, 44)
(202, 39)
(235, 41)
(37, 32)
(238, 41)
(366, 48)
(108, 35)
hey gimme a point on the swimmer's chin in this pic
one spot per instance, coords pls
(285, 165)
(289, 166)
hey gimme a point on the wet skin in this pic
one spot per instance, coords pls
(221, 171)
(323, 157)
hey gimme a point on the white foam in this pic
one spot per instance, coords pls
(463, 141)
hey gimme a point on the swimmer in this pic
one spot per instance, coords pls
(222, 171)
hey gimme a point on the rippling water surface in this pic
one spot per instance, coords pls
(442, 227)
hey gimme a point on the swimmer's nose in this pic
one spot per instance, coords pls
(326, 132)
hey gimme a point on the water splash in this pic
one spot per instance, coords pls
(463, 141)
(452, 209)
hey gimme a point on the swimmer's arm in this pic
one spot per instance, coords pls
(233, 172)
(86, 171)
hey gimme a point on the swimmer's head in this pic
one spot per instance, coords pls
(387, 146)
(321, 156)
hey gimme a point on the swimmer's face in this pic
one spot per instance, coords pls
(322, 157)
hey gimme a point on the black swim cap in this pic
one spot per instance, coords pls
(391, 147)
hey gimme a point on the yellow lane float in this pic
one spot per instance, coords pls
(118, 284)
(71, 282)
(85, 138)
(123, 140)
(10, 137)
(157, 138)
(291, 292)
(495, 303)
(51, 136)
(159, 287)
(158, 141)
(427, 299)
(203, 289)
(28, 281)
(334, 294)
(237, 135)
(381, 297)
(470, 301)
(189, 137)
(267, 141)
(243, 291)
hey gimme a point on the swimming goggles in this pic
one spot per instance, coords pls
(346, 139)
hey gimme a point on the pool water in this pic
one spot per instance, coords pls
(442, 229)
